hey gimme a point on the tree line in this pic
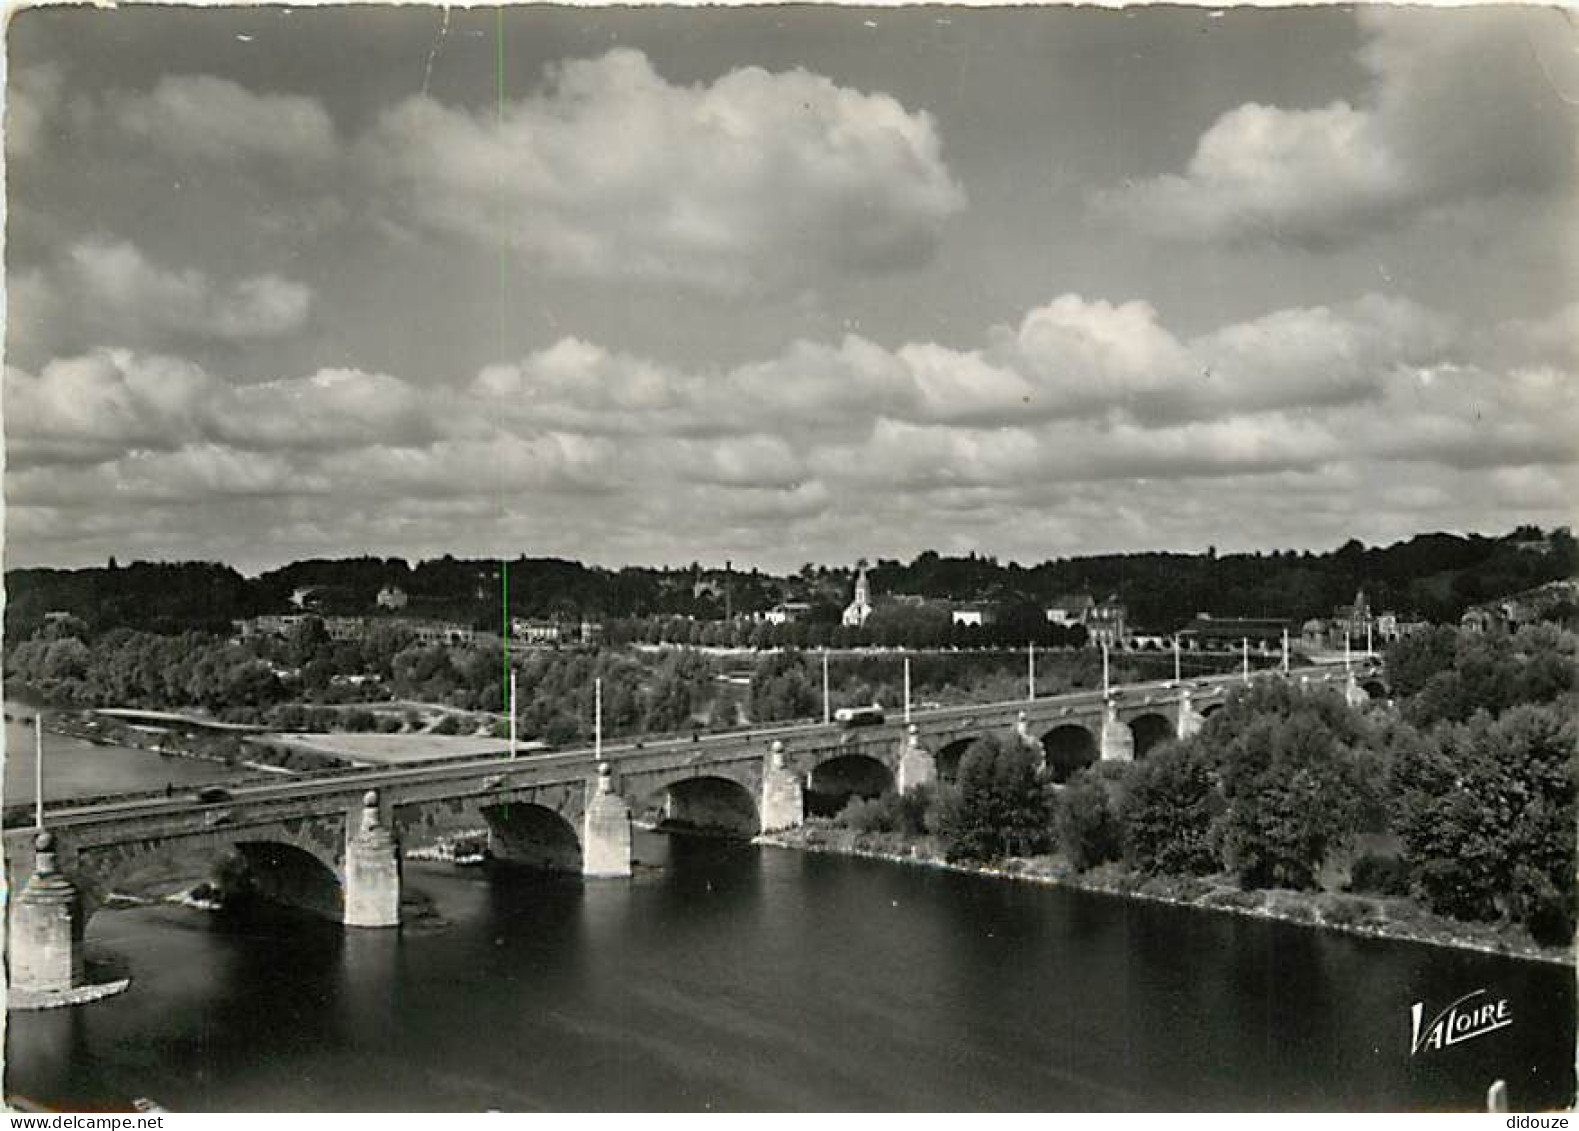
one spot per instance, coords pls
(307, 681)
(1434, 576)
(1465, 793)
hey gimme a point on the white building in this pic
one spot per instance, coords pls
(535, 631)
(1109, 623)
(1071, 610)
(856, 612)
(787, 612)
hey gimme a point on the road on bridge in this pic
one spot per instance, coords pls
(66, 814)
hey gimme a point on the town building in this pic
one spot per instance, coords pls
(1355, 619)
(343, 629)
(1355, 624)
(1479, 619)
(1226, 634)
(1108, 623)
(441, 631)
(541, 632)
(1313, 634)
(1518, 609)
(269, 624)
(1105, 622)
(392, 597)
(787, 612)
(1070, 610)
(860, 608)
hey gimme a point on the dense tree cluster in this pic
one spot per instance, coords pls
(1447, 676)
(999, 806)
(1474, 780)
(1170, 812)
(1291, 775)
(142, 669)
(1086, 825)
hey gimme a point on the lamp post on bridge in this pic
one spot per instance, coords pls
(1030, 672)
(827, 703)
(1104, 670)
(597, 718)
(907, 689)
(512, 709)
(1285, 651)
(1178, 664)
(1244, 650)
(38, 770)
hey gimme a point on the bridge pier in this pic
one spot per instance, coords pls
(783, 801)
(372, 869)
(1118, 741)
(47, 925)
(1353, 694)
(917, 767)
(606, 830)
(1190, 720)
(1022, 733)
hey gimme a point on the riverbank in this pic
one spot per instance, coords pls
(177, 736)
(1380, 917)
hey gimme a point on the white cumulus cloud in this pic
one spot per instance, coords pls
(1462, 105)
(201, 117)
(757, 179)
(113, 288)
(1375, 407)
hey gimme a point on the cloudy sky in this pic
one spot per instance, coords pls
(779, 285)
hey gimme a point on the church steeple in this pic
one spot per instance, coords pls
(860, 608)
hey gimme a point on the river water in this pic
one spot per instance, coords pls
(739, 977)
(77, 768)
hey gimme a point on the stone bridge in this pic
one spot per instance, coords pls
(331, 842)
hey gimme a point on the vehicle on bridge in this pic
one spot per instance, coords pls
(859, 716)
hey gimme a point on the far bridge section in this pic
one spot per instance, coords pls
(330, 842)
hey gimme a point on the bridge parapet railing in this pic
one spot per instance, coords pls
(634, 749)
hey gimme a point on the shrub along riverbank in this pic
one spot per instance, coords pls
(1449, 818)
(1386, 917)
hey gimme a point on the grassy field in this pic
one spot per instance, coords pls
(390, 749)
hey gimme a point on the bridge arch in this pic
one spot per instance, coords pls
(1376, 689)
(835, 781)
(527, 835)
(281, 873)
(706, 803)
(952, 754)
(282, 865)
(1150, 730)
(1068, 748)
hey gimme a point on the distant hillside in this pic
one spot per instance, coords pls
(1435, 576)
